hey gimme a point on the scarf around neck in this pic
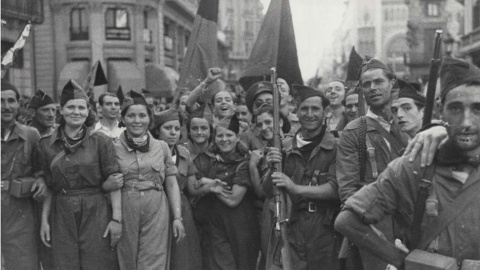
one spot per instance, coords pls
(140, 144)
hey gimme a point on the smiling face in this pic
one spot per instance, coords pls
(407, 115)
(461, 110)
(265, 125)
(110, 107)
(377, 88)
(223, 104)
(170, 132)
(261, 99)
(225, 139)
(311, 114)
(243, 114)
(10, 106)
(75, 112)
(351, 107)
(136, 120)
(45, 115)
(199, 130)
(335, 93)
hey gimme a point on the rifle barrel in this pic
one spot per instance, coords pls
(432, 79)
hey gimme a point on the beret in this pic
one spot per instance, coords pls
(230, 123)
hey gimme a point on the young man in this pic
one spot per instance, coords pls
(369, 143)
(407, 109)
(19, 144)
(110, 105)
(351, 105)
(454, 193)
(43, 109)
(309, 179)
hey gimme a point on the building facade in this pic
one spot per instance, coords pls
(470, 42)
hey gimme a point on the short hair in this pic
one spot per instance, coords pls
(102, 96)
(233, 95)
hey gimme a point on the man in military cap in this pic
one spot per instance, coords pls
(309, 179)
(449, 223)
(44, 110)
(407, 109)
(369, 143)
(19, 144)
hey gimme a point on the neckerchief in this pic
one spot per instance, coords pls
(72, 143)
(140, 144)
(307, 146)
(450, 155)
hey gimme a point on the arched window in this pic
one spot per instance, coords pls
(78, 24)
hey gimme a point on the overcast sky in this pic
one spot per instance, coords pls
(314, 22)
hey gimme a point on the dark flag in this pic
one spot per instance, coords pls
(275, 47)
(354, 65)
(202, 47)
(96, 77)
(120, 95)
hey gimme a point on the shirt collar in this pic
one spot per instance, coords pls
(384, 123)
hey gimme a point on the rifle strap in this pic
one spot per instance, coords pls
(470, 192)
(394, 142)
(371, 157)
(423, 192)
(362, 149)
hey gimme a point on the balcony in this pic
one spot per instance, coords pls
(27, 10)
(471, 40)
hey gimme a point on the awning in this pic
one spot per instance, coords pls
(161, 81)
(77, 71)
(126, 74)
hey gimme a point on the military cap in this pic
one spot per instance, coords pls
(40, 99)
(8, 86)
(162, 117)
(255, 90)
(374, 64)
(408, 91)
(303, 92)
(72, 90)
(133, 98)
(455, 72)
(204, 112)
(230, 123)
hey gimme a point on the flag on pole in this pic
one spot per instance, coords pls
(202, 47)
(96, 77)
(354, 65)
(120, 95)
(275, 47)
(7, 58)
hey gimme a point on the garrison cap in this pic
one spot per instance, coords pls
(72, 90)
(40, 99)
(455, 72)
(374, 64)
(133, 98)
(6, 85)
(408, 91)
(303, 92)
(164, 116)
(230, 123)
(203, 111)
(255, 90)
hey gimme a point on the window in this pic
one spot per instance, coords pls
(116, 24)
(476, 16)
(432, 9)
(147, 33)
(78, 24)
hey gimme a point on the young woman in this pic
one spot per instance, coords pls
(185, 254)
(233, 223)
(148, 170)
(75, 162)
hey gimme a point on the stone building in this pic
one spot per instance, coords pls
(470, 42)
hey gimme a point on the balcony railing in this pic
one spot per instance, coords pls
(471, 37)
(113, 33)
(79, 33)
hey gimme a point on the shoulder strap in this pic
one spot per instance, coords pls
(371, 157)
(394, 143)
(56, 159)
(452, 210)
(362, 148)
(423, 192)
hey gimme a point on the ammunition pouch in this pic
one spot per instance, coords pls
(19, 187)
(424, 260)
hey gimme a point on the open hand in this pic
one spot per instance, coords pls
(115, 230)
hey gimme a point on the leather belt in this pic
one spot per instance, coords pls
(78, 192)
(312, 207)
(142, 185)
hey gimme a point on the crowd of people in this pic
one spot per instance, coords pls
(147, 185)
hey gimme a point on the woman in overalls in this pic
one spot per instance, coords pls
(75, 163)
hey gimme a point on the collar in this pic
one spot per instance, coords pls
(327, 142)
(99, 125)
(182, 152)
(123, 141)
(195, 150)
(384, 123)
(57, 136)
(17, 131)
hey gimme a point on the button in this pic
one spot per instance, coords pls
(67, 159)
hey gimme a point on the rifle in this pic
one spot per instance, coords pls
(432, 79)
(280, 196)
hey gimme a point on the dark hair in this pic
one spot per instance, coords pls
(124, 112)
(107, 94)
(209, 125)
(233, 95)
(155, 131)
(241, 147)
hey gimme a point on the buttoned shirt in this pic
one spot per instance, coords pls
(112, 133)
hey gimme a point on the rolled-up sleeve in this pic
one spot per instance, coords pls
(170, 168)
(107, 156)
